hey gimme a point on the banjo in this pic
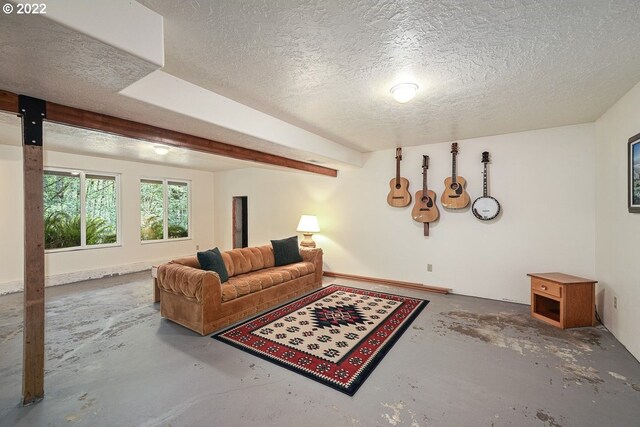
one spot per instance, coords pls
(485, 208)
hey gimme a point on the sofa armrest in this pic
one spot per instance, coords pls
(191, 283)
(315, 256)
(310, 255)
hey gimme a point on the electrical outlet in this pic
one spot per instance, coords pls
(429, 267)
(615, 302)
(197, 247)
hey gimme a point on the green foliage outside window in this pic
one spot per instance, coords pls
(62, 210)
(178, 215)
(101, 210)
(152, 209)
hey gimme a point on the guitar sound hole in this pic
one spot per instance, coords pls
(398, 186)
(454, 186)
(427, 202)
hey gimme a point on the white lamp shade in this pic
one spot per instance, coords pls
(308, 224)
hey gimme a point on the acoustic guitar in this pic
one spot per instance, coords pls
(399, 195)
(485, 208)
(425, 208)
(455, 196)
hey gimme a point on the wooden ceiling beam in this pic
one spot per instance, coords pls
(8, 102)
(88, 120)
(113, 125)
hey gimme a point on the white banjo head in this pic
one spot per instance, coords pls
(485, 208)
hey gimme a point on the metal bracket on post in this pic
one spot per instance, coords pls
(33, 111)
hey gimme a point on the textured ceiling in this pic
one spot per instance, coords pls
(51, 61)
(484, 67)
(40, 56)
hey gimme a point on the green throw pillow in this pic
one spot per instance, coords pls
(211, 260)
(286, 251)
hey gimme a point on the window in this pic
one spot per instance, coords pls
(164, 209)
(80, 209)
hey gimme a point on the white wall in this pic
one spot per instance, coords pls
(11, 216)
(617, 230)
(132, 255)
(543, 179)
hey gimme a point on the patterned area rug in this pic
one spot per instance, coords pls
(336, 335)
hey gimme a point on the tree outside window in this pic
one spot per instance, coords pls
(164, 209)
(72, 221)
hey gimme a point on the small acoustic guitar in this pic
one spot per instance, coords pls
(455, 196)
(425, 208)
(399, 195)
(485, 208)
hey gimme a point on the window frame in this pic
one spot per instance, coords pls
(165, 209)
(82, 173)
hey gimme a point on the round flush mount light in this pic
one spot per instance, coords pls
(160, 149)
(404, 92)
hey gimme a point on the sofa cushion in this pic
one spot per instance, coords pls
(211, 260)
(244, 260)
(286, 251)
(247, 283)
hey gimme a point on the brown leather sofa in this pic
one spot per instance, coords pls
(196, 299)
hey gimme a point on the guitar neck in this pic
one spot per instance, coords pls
(484, 181)
(397, 170)
(454, 168)
(424, 181)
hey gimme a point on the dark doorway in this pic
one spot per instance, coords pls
(240, 222)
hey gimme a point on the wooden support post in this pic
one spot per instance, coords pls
(426, 229)
(33, 111)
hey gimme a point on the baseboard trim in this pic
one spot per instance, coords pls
(396, 283)
(79, 276)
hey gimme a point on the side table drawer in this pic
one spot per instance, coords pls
(549, 288)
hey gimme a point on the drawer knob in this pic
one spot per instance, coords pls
(543, 287)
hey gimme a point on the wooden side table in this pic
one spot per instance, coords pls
(562, 300)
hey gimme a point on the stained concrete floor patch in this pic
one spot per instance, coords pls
(617, 376)
(569, 350)
(547, 419)
(399, 415)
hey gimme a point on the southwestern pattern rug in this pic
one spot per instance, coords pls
(336, 335)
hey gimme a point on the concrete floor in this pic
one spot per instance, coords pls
(112, 361)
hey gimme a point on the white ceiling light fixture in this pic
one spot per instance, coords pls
(161, 150)
(404, 92)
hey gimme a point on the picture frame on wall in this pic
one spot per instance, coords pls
(634, 174)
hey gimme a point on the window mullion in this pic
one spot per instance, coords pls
(165, 186)
(189, 209)
(83, 210)
(118, 212)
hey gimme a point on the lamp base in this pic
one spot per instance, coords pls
(308, 242)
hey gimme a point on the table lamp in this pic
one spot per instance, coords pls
(307, 226)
